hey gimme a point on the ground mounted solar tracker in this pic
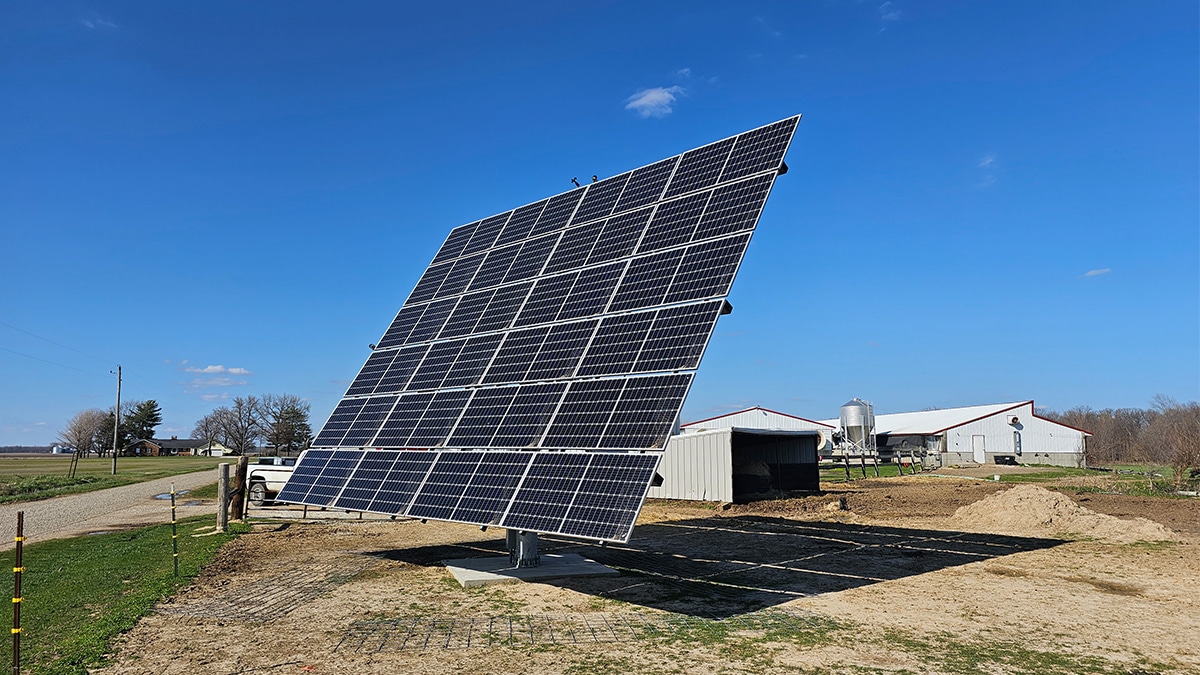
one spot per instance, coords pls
(533, 376)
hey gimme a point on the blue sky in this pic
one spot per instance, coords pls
(988, 201)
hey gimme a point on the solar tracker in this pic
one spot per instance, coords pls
(533, 375)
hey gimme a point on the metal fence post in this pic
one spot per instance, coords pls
(174, 532)
(17, 599)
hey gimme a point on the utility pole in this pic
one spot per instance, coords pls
(116, 422)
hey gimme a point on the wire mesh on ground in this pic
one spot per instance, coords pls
(576, 628)
(275, 596)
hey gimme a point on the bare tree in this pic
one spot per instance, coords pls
(1175, 435)
(285, 420)
(84, 432)
(241, 425)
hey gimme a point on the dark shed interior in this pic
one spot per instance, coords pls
(769, 461)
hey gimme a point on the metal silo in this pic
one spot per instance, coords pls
(857, 419)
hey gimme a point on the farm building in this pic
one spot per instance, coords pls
(724, 459)
(997, 433)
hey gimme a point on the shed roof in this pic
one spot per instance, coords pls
(768, 413)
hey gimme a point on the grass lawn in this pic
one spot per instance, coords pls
(27, 478)
(81, 593)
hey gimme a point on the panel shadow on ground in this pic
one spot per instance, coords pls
(722, 567)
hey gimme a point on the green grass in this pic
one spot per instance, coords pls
(24, 478)
(81, 593)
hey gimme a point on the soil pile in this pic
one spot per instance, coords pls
(1028, 509)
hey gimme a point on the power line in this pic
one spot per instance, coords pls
(56, 344)
(53, 363)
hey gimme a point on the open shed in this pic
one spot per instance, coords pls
(736, 464)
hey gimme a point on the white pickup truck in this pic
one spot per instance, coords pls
(266, 478)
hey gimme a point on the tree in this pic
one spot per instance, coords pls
(85, 431)
(143, 420)
(285, 420)
(123, 436)
(208, 429)
(240, 426)
(1175, 434)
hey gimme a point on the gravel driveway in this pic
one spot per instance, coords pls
(105, 510)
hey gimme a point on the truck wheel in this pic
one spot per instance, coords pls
(258, 494)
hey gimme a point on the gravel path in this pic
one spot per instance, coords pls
(105, 510)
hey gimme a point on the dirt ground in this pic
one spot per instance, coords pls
(893, 575)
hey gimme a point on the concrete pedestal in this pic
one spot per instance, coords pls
(471, 572)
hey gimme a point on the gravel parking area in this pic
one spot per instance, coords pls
(105, 510)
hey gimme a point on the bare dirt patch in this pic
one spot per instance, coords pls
(887, 584)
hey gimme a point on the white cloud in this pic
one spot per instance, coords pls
(684, 72)
(987, 180)
(766, 27)
(215, 397)
(987, 160)
(1096, 273)
(217, 369)
(96, 21)
(654, 102)
(888, 12)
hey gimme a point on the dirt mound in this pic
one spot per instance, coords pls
(1029, 509)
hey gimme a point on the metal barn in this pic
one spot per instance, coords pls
(983, 434)
(736, 464)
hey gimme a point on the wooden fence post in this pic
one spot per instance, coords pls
(223, 496)
(239, 488)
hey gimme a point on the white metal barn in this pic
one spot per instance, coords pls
(724, 459)
(997, 433)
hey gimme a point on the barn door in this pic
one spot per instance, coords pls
(978, 449)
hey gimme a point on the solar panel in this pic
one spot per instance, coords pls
(534, 373)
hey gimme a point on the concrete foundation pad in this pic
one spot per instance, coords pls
(471, 572)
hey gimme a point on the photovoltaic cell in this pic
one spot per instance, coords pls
(557, 213)
(591, 292)
(583, 414)
(401, 369)
(610, 496)
(455, 243)
(619, 236)
(490, 489)
(521, 222)
(760, 150)
(366, 480)
(674, 222)
(646, 185)
(339, 422)
(398, 428)
(445, 484)
(369, 419)
(485, 234)
(541, 502)
(707, 269)
(600, 199)
(332, 478)
(531, 259)
(503, 308)
(397, 333)
(376, 365)
(617, 344)
(700, 168)
(647, 281)
(561, 351)
(528, 415)
(432, 320)
(481, 397)
(472, 360)
(646, 411)
(481, 417)
(397, 488)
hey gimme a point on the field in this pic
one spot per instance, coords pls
(913, 574)
(30, 477)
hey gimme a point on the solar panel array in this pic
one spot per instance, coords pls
(547, 349)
